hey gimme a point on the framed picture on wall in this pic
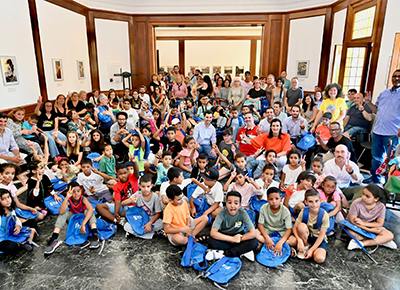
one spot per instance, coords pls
(9, 71)
(239, 70)
(205, 70)
(216, 70)
(302, 67)
(227, 69)
(57, 69)
(81, 69)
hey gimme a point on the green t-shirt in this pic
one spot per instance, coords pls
(107, 165)
(140, 162)
(232, 225)
(312, 221)
(278, 222)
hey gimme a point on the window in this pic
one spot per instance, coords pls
(336, 64)
(353, 72)
(363, 23)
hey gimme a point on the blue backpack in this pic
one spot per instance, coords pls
(23, 235)
(194, 254)
(306, 142)
(356, 229)
(201, 206)
(74, 236)
(52, 205)
(92, 156)
(94, 203)
(252, 216)
(321, 212)
(137, 218)
(264, 105)
(105, 230)
(224, 270)
(26, 214)
(267, 258)
(256, 204)
(190, 189)
(58, 184)
(146, 146)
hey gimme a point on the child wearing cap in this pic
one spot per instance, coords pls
(180, 133)
(145, 113)
(211, 189)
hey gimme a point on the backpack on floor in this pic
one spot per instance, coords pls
(356, 229)
(58, 184)
(23, 235)
(137, 218)
(52, 205)
(74, 236)
(194, 254)
(224, 270)
(26, 214)
(94, 203)
(256, 204)
(267, 258)
(252, 216)
(201, 205)
(105, 230)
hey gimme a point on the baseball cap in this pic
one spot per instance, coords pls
(175, 121)
(211, 174)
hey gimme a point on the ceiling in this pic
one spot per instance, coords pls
(203, 6)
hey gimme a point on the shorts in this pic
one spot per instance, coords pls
(111, 208)
(311, 241)
(183, 234)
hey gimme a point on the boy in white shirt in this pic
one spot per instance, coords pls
(132, 113)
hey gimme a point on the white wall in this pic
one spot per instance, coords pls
(305, 41)
(339, 22)
(217, 52)
(391, 27)
(16, 40)
(168, 52)
(112, 39)
(63, 35)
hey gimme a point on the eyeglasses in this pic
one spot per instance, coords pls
(119, 119)
(396, 77)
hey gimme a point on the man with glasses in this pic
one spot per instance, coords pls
(118, 131)
(387, 126)
(337, 139)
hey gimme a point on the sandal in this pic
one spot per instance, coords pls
(293, 252)
(202, 239)
(161, 234)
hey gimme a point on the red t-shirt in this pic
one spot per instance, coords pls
(123, 191)
(247, 149)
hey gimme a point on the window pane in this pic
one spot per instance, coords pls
(354, 68)
(336, 64)
(363, 23)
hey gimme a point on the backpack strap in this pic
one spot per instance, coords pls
(306, 212)
(217, 266)
(189, 248)
(320, 217)
(198, 267)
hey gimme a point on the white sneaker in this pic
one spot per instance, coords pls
(390, 245)
(122, 221)
(249, 256)
(354, 245)
(214, 255)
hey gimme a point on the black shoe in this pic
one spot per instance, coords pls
(371, 180)
(52, 246)
(27, 246)
(94, 242)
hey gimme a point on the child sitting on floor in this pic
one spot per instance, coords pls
(266, 181)
(311, 240)
(246, 189)
(328, 193)
(178, 224)
(77, 203)
(67, 172)
(162, 169)
(291, 171)
(150, 203)
(200, 167)
(368, 213)
(227, 232)
(188, 156)
(274, 217)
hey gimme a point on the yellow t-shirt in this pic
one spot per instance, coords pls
(176, 216)
(334, 107)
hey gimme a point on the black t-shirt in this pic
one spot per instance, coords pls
(256, 94)
(73, 158)
(174, 147)
(196, 174)
(45, 123)
(293, 96)
(346, 142)
(79, 107)
(356, 117)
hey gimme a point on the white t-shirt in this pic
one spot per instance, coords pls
(216, 193)
(164, 186)
(260, 183)
(93, 180)
(132, 116)
(291, 175)
(145, 97)
(297, 196)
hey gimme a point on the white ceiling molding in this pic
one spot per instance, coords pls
(205, 6)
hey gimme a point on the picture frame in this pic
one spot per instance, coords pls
(205, 70)
(239, 70)
(9, 70)
(302, 68)
(216, 69)
(58, 72)
(81, 69)
(228, 69)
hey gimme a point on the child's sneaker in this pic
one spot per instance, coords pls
(94, 242)
(249, 256)
(214, 255)
(52, 245)
(390, 245)
(122, 221)
(354, 245)
(27, 246)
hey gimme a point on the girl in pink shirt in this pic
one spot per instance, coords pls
(188, 156)
(328, 193)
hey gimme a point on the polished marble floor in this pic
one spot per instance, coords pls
(154, 264)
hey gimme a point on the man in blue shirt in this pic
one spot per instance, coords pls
(205, 134)
(387, 126)
(9, 151)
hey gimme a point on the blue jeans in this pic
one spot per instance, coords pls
(207, 149)
(352, 130)
(379, 147)
(392, 222)
(52, 143)
(256, 166)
